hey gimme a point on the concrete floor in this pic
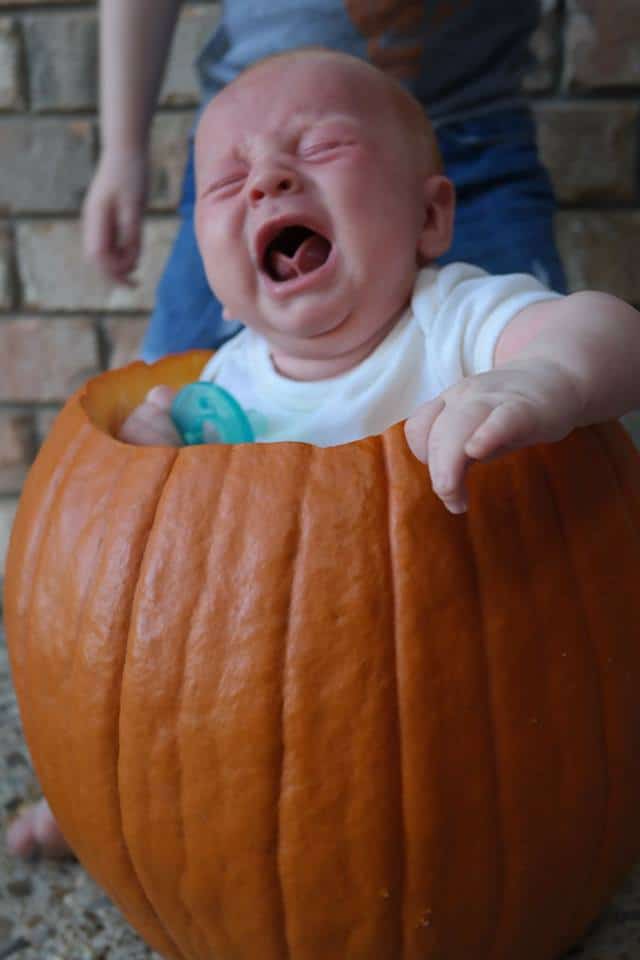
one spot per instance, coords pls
(53, 911)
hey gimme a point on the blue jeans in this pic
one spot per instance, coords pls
(504, 223)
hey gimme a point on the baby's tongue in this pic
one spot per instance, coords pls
(311, 254)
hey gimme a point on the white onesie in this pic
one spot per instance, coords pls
(448, 331)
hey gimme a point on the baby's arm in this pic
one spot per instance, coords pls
(559, 364)
(150, 424)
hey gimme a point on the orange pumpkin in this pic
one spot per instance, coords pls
(284, 705)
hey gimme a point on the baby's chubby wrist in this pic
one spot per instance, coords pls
(553, 387)
(553, 369)
(150, 423)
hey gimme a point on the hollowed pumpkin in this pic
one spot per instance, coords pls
(284, 705)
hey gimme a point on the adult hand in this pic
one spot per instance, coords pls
(112, 214)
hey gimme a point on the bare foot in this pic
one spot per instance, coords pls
(34, 831)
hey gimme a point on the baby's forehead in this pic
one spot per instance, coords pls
(288, 94)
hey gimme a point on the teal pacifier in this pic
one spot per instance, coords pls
(207, 413)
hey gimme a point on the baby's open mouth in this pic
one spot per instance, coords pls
(294, 251)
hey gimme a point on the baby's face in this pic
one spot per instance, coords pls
(308, 211)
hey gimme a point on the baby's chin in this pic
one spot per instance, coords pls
(309, 327)
(326, 352)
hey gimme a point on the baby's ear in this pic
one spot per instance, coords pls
(439, 205)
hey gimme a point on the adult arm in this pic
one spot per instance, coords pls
(135, 38)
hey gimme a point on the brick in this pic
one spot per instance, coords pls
(55, 276)
(545, 47)
(602, 39)
(124, 337)
(17, 430)
(7, 280)
(44, 359)
(194, 28)
(41, 3)
(11, 94)
(169, 139)
(62, 52)
(47, 163)
(599, 250)
(8, 509)
(571, 134)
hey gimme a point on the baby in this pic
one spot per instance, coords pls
(320, 206)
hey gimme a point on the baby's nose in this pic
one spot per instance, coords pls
(272, 182)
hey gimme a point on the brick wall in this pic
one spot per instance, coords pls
(60, 322)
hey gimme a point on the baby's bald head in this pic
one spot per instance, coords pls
(370, 89)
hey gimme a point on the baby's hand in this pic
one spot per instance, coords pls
(487, 415)
(150, 424)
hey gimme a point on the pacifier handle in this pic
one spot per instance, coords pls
(206, 413)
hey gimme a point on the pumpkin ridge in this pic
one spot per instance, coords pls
(118, 725)
(79, 623)
(584, 614)
(618, 698)
(495, 771)
(52, 495)
(522, 469)
(617, 445)
(611, 443)
(385, 439)
(533, 464)
(92, 578)
(180, 458)
(302, 498)
(518, 536)
(180, 671)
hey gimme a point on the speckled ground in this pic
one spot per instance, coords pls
(53, 911)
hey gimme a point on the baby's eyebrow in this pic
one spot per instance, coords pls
(314, 120)
(298, 125)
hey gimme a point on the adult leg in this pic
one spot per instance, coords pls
(504, 216)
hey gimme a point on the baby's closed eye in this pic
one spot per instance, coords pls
(325, 140)
(226, 185)
(322, 148)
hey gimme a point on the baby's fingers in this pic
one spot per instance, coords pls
(150, 424)
(418, 427)
(161, 397)
(509, 426)
(448, 458)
